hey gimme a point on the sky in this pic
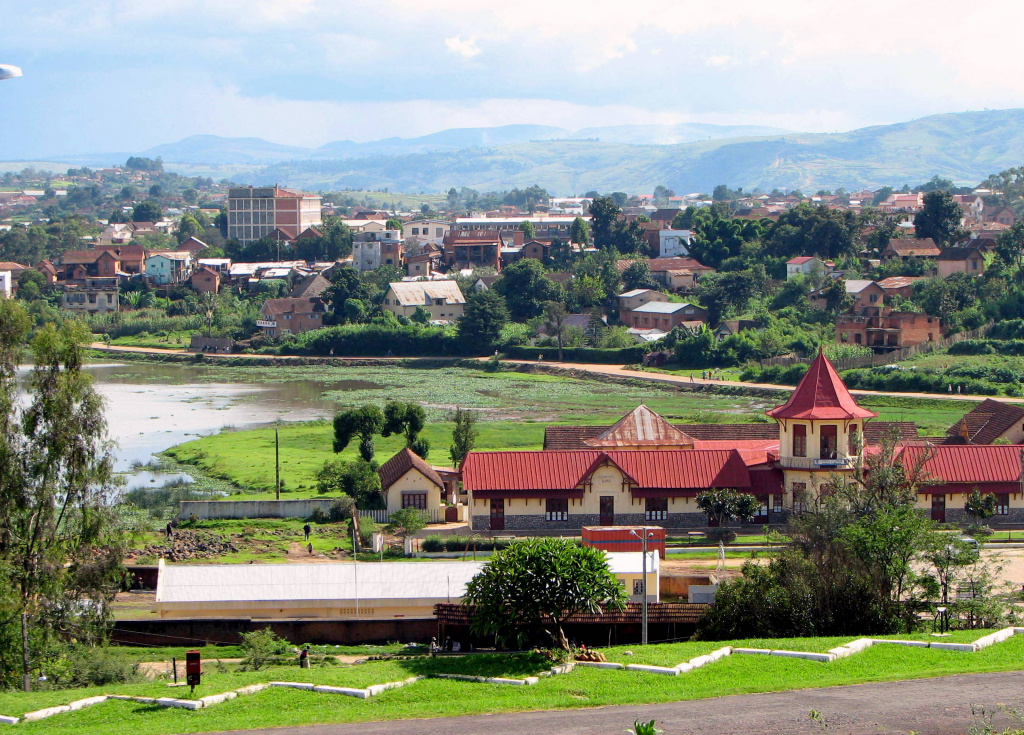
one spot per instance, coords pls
(125, 75)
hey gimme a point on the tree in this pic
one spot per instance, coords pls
(464, 435)
(407, 522)
(345, 285)
(262, 648)
(357, 480)
(421, 316)
(528, 230)
(836, 298)
(407, 419)
(363, 422)
(724, 506)
(31, 284)
(525, 288)
(535, 586)
(555, 324)
(147, 211)
(979, 507)
(393, 223)
(604, 213)
(638, 275)
(1010, 245)
(483, 318)
(354, 310)
(939, 218)
(61, 543)
(579, 232)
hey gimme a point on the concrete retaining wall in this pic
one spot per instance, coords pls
(195, 632)
(238, 509)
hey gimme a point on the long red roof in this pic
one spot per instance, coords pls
(821, 394)
(987, 467)
(521, 472)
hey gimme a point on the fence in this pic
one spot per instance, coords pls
(885, 358)
(383, 516)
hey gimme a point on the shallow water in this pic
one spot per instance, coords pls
(152, 407)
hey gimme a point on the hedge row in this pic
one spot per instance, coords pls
(622, 356)
(438, 544)
(374, 340)
(916, 381)
(988, 347)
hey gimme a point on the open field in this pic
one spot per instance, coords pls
(580, 689)
(171, 341)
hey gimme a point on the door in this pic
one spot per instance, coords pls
(497, 514)
(939, 508)
(607, 510)
(762, 510)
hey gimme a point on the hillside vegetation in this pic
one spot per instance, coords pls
(964, 147)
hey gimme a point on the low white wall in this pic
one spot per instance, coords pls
(237, 509)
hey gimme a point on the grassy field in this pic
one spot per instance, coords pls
(581, 689)
(172, 340)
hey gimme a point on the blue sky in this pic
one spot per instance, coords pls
(126, 75)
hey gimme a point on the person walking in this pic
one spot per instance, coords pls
(307, 529)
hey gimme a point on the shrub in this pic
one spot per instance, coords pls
(78, 665)
(262, 648)
(433, 544)
(411, 340)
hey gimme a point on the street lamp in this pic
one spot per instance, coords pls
(9, 71)
(643, 580)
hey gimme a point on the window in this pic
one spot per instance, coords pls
(638, 587)
(799, 497)
(1002, 505)
(853, 441)
(799, 440)
(414, 500)
(556, 509)
(656, 509)
(777, 504)
(829, 442)
(415, 230)
(873, 298)
(439, 232)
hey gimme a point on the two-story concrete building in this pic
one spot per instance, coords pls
(169, 266)
(443, 299)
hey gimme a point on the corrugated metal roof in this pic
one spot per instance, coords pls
(966, 464)
(821, 394)
(563, 471)
(183, 583)
(422, 293)
(639, 427)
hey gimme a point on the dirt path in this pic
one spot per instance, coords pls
(940, 706)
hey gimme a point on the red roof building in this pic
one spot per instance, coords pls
(821, 396)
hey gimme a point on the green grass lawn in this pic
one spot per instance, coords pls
(582, 688)
(178, 340)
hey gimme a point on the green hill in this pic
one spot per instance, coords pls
(965, 147)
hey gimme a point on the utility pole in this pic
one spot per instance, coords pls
(643, 581)
(27, 682)
(355, 547)
(277, 462)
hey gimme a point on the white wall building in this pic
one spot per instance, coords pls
(674, 243)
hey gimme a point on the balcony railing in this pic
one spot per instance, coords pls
(266, 323)
(839, 462)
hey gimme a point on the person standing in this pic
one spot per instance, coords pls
(307, 529)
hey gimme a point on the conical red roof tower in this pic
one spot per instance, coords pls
(821, 394)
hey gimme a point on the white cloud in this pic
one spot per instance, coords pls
(467, 49)
(720, 61)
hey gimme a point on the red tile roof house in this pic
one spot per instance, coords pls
(279, 317)
(906, 248)
(949, 473)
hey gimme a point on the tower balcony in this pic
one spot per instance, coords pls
(823, 464)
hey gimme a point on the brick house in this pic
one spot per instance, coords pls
(865, 294)
(887, 330)
(960, 260)
(473, 248)
(664, 315)
(638, 297)
(279, 317)
(907, 248)
(205, 280)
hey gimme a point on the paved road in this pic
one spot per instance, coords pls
(595, 369)
(926, 706)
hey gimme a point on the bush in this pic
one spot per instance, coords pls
(262, 648)
(433, 544)
(341, 509)
(378, 340)
(77, 665)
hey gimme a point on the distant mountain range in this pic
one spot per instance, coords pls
(965, 147)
